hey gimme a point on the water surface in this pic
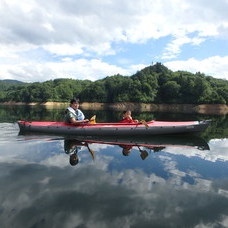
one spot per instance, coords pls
(175, 182)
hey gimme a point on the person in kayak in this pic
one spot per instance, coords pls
(127, 118)
(73, 115)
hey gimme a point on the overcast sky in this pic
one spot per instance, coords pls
(92, 39)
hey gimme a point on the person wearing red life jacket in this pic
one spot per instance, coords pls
(127, 118)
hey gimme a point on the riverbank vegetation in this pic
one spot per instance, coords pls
(153, 84)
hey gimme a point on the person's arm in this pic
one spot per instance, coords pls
(78, 122)
(131, 120)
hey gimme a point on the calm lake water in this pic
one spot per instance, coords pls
(177, 181)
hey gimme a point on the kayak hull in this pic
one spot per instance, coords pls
(114, 129)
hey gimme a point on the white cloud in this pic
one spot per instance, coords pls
(215, 66)
(92, 22)
(84, 69)
(96, 69)
(78, 69)
(91, 27)
(58, 160)
(217, 153)
(63, 49)
(174, 48)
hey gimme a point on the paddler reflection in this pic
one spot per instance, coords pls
(127, 150)
(72, 147)
(142, 144)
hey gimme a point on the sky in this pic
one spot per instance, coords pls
(42, 40)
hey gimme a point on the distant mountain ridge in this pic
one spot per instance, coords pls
(11, 81)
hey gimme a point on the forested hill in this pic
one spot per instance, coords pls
(11, 81)
(153, 84)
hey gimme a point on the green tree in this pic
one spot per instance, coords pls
(171, 92)
(153, 84)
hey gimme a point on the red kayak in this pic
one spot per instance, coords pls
(112, 129)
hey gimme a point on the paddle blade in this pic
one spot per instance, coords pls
(93, 119)
(143, 154)
(144, 122)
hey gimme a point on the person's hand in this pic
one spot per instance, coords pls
(78, 122)
(130, 118)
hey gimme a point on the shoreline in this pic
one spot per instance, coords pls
(211, 109)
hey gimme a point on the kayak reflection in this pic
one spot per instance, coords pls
(145, 145)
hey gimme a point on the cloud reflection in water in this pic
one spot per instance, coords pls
(112, 191)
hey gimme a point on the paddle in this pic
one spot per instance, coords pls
(93, 120)
(91, 151)
(143, 154)
(144, 122)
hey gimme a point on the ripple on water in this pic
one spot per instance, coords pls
(8, 131)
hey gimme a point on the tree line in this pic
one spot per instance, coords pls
(153, 84)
